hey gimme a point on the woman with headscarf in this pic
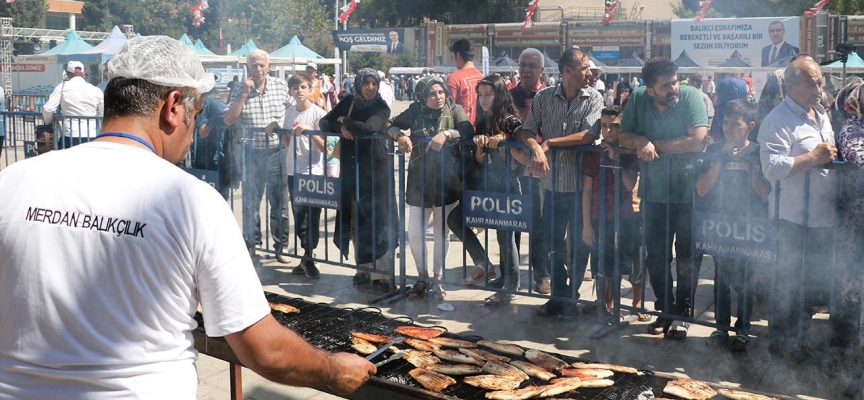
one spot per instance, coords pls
(435, 125)
(728, 89)
(368, 215)
(772, 95)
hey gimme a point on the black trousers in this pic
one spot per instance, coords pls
(658, 245)
(307, 222)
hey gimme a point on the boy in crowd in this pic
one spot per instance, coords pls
(733, 186)
(304, 156)
(628, 236)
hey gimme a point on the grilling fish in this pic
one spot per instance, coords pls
(559, 386)
(742, 395)
(533, 370)
(491, 382)
(689, 389)
(501, 369)
(457, 369)
(371, 337)
(597, 383)
(587, 373)
(518, 394)
(457, 357)
(362, 346)
(420, 359)
(419, 332)
(285, 308)
(422, 345)
(611, 367)
(459, 344)
(431, 380)
(505, 348)
(545, 360)
(484, 355)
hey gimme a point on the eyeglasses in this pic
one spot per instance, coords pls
(529, 66)
(776, 30)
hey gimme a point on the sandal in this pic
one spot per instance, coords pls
(739, 343)
(677, 330)
(498, 299)
(360, 278)
(550, 309)
(659, 327)
(382, 285)
(418, 291)
(482, 278)
(642, 317)
(717, 339)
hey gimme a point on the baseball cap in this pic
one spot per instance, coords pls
(312, 65)
(71, 66)
(593, 66)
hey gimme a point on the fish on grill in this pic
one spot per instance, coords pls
(422, 345)
(362, 346)
(544, 360)
(420, 359)
(371, 337)
(742, 395)
(559, 386)
(419, 332)
(518, 394)
(431, 380)
(505, 348)
(611, 367)
(455, 369)
(689, 389)
(597, 383)
(587, 373)
(484, 355)
(491, 382)
(448, 342)
(501, 369)
(533, 370)
(457, 357)
(285, 308)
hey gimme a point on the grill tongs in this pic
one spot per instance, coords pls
(397, 339)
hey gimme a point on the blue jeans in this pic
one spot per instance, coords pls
(263, 171)
(561, 210)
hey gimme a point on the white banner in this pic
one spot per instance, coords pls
(485, 61)
(760, 41)
(337, 75)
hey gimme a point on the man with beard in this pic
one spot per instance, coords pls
(662, 117)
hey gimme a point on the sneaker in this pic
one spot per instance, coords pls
(739, 343)
(282, 258)
(311, 270)
(543, 287)
(298, 270)
(718, 339)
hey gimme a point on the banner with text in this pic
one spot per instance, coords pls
(317, 191)
(759, 41)
(742, 238)
(370, 40)
(511, 212)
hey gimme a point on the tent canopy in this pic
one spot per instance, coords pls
(550, 66)
(100, 53)
(633, 61)
(736, 61)
(185, 40)
(503, 64)
(72, 44)
(245, 49)
(854, 61)
(199, 49)
(685, 61)
(295, 49)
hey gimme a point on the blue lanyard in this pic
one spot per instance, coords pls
(127, 136)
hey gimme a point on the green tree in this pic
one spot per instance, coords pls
(97, 16)
(25, 13)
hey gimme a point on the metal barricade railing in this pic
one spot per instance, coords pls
(19, 136)
(71, 131)
(26, 102)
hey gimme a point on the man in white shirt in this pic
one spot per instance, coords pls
(304, 155)
(75, 98)
(135, 245)
(385, 89)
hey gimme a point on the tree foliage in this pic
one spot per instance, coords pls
(25, 13)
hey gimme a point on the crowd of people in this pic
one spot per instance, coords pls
(452, 135)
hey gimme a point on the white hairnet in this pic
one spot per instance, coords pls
(160, 60)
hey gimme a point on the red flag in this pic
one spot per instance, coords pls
(529, 14)
(348, 10)
(701, 14)
(816, 8)
(609, 13)
(221, 38)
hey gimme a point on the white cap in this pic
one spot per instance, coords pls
(593, 66)
(160, 60)
(381, 74)
(312, 65)
(71, 66)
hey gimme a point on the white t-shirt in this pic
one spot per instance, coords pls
(102, 268)
(301, 146)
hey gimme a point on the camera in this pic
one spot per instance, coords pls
(845, 48)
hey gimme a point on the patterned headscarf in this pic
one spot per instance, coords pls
(421, 94)
(850, 138)
(359, 100)
(773, 94)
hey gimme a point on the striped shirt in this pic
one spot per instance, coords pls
(263, 108)
(551, 112)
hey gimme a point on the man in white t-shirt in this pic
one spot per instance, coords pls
(75, 98)
(304, 155)
(131, 245)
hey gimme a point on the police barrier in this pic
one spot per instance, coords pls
(18, 135)
(71, 131)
